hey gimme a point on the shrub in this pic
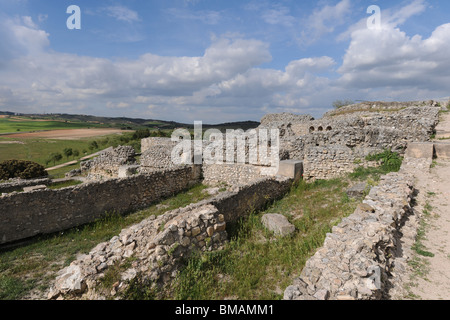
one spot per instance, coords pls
(390, 161)
(21, 169)
(141, 134)
(342, 103)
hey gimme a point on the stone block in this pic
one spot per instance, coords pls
(291, 168)
(34, 188)
(278, 224)
(442, 150)
(420, 150)
(127, 170)
(357, 190)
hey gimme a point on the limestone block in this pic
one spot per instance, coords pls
(420, 150)
(442, 150)
(357, 190)
(34, 188)
(278, 224)
(291, 168)
(127, 170)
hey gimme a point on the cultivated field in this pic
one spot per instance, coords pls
(36, 140)
(67, 134)
(26, 124)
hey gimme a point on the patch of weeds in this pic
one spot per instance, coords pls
(388, 162)
(12, 288)
(65, 184)
(255, 263)
(418, 246)
(50, 253)
(113, 274)
(139, 289)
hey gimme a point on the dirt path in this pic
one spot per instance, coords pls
(431, 279)
(75, 161)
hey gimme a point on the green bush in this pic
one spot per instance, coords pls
(21, 169)
(337, 104)
(390, 161)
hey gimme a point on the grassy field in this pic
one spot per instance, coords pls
(24, 124)
(256, 265)
(38, 150)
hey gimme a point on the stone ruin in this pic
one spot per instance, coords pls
(328, 147)
(109, 163)
(361, 246)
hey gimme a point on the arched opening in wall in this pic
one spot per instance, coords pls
(311, 129)
(329, 128)
(320, 129)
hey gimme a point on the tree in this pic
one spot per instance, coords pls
(76, 153)
(93, 145)
(68, 152)
(21, 169)
(55, 157)
(141, 134)
(342, 103)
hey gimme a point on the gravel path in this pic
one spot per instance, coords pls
(432, 281)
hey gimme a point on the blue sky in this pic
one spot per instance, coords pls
(216, 60)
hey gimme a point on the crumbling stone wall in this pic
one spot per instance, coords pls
(158, 246)
(329, 146)
(230, 174)
(27, 214)
(157, 255)
(357, 259)
(107, 164)
(18, 184)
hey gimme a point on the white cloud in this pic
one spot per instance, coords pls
(325, 20)
(122, 13)
(278, 15)
(388, 57)
(210, 17)
(390, 18)
(228, 81)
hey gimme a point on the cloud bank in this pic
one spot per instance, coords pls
(228, 82)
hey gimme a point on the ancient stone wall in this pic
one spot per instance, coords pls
(358, 258)
(159, 246)
(230, 174)
(147, 143)
(19, 184)
(27, 214)
(107, 164)
(330, 146)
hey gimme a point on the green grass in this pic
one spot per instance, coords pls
(38, 150)
(418, 246)
(65, 184)
(61, 172)
(31, 267)
(389, 162)
(256, 265)
(26, 124)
